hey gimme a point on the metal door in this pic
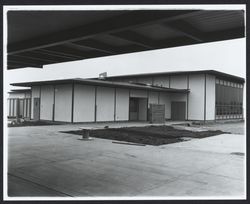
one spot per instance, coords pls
(178, 110)
(36, 109)
(133, 109)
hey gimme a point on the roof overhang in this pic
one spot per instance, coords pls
(20, 91)
(218, 74)
(102, 83)
(38, 38)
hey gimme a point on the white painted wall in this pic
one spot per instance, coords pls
(196, 97)
(161, 81)
(153, 97)
(46, 102)
(122, 104)
(35, 93)
(178, 82)
(138, 93)
(63, 102)
(105, 104)
(210, 97)
(84, 103)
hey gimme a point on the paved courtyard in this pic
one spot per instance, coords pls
(45, 162)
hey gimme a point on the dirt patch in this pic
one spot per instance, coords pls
(149, 135)
(32, 123)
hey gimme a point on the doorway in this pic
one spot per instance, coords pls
(178, 110)
(138, 109)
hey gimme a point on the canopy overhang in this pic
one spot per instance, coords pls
(38, 38)
(103, 83)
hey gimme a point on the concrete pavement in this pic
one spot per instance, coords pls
(44, 162)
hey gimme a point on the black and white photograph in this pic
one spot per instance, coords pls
(124, 102)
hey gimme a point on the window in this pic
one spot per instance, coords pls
(229, 99)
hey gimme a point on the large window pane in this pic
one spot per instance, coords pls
(229, 99)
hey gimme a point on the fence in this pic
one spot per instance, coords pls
(18, 107)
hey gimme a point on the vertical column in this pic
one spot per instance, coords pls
(9, 107)
(95, 113)
(54, 102)
(129, 92)
(187, 94)
(72, 105)
(40, 103)
(205, 96)
(115, 105)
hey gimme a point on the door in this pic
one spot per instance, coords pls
(36, 109)
(138, 109)
(133, 109)
(178, 110)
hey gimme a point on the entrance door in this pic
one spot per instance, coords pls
(138, 108)
(178, 110)
(36, 109)
(133, 109)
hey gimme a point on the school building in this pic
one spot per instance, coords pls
(186, 95)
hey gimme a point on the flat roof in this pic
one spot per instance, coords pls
(19, 91)
(38, 38)
(100, 83)
(212, 72)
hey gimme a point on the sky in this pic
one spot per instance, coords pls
(227, 56)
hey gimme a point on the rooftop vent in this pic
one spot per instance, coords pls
(103, 75)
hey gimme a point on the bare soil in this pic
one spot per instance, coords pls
(33, 123)
(149, 135)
